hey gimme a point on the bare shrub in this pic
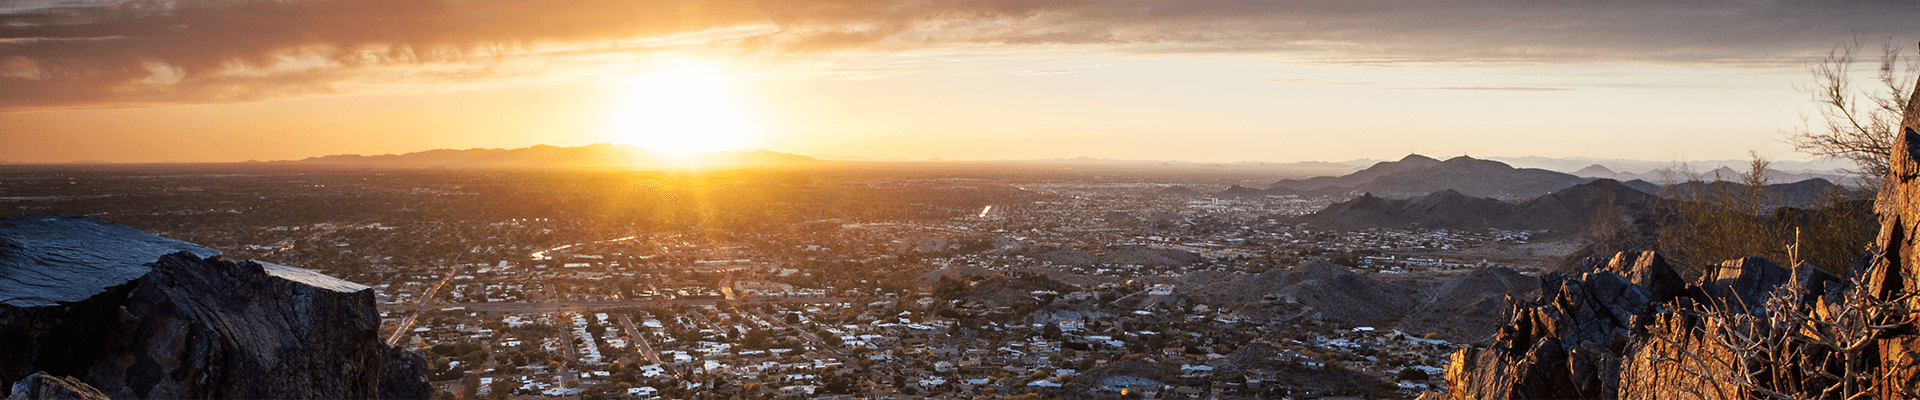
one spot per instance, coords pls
(1805, 345)
(1861, 131)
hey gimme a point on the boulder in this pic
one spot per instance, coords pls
(1649, 270)
(47, 260)
(41, 386)
(1566, 344)
(1743, 285)
(188, 324)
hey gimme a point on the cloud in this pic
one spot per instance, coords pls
(1046, 72)
(1502, 88)
(1330, 82)
(92, 53)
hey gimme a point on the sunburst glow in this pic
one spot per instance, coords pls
(685, 109)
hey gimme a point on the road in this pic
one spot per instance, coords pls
(646, 350)
(726, 288)
(400, 329)
(726, 284)
(288, 244)
(810, 337)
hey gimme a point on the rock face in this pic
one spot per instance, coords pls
(139, 316)
(1898, 271)
(1743, 285)
(1569, 343)
(48, 260)
(1651, 271)
(41, 386)
(1616, 332)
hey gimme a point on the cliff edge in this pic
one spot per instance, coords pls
(133, 315)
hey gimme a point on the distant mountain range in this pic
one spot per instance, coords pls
(1471, 194)
(1648, 168)
(1565, 210)
(1717, 174)
(1418, 175)
(601, 155)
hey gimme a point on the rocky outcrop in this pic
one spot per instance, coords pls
(1630, 329)
(140, 316)
(1651, 271)
(1897, 272)
(1743, 285)
(1616, 333)
(41, 386)
(1569, 342)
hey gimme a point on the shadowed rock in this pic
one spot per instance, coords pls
(41, 386)
(1569, 343)
(1743, 285)
(186, 324)
(50, 259)
(1648, 269)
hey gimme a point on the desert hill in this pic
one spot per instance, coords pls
(1417, 175)
(1567, 210)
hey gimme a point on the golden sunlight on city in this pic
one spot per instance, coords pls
(959, 199)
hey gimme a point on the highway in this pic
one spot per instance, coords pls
(288, 244)
(425, 301)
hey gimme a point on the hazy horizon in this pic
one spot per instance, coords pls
(693, 160)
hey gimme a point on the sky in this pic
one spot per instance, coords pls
(1206, 81)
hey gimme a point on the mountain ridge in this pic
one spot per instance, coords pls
(1417, 175)
(547, 156)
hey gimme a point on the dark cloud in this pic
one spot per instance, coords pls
(131, 53)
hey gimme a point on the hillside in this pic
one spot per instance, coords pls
(1811, 192)
(1409, 163)
(1418, 175)
(1570, 209)
(1576, 207)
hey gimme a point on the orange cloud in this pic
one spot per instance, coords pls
(139, 53)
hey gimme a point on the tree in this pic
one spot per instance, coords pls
(470, 387)
(501, 388)
(1863, 133)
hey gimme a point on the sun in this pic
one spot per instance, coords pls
(686, 109)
